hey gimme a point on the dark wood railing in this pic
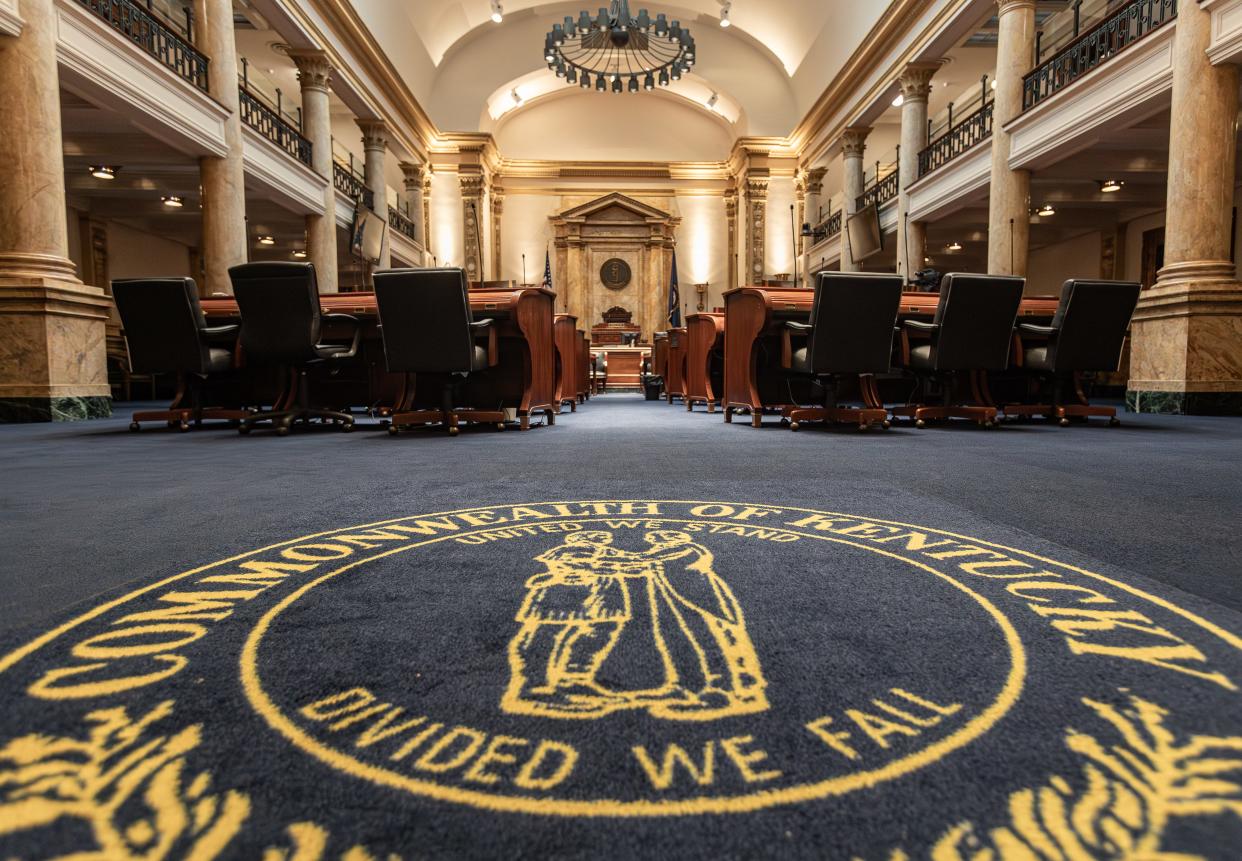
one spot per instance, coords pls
(351, 185)
(267, 122)
(882, 192)
(1095, 47)
(152, 34)
(401, 223)
(961, 137)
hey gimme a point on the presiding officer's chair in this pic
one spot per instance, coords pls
(1086, 335)
(281, 320)
(166, 332)
(970, 336)
(429, 331)
(850, 334)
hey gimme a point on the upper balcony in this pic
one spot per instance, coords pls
(164, 38)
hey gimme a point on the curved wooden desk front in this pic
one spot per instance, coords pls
(754, 317)
(704, 365)
(524, 380)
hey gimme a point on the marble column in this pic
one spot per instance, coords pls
(853, 146)
(1186, 349)
(498, 209)
(1009, 220)
(315, 75)
(756, 227)
(53, 364)
(912, 235)
(223, 180)
(375, 151)
(414, 176)
(814, 202)
(472, 185)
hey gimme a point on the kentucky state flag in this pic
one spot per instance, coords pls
(674, 298)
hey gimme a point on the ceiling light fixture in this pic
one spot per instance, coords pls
(266, 240)
(517, 97)
(498, 12)
(617, 45)
(899, 101)
(103, 171)
(1046, 211)
(172, 201)
(953, 246)
(300, 254)
(1111, 186)
(726, 6)
(713, 101)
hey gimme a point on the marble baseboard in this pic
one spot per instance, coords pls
(61, 409)
(1185, 403)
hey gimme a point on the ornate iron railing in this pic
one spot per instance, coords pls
(882, 192)
(961, 137)
(152, 34)
(1095, 47)
(267, 122)
(401, 223)
(351, 185)
(832, 224)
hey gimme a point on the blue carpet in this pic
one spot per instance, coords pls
(821, 644)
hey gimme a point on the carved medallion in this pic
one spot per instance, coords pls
(615, 274)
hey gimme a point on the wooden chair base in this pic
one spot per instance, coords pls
(284, 420)
(984, 416)
(182, 418)
(1063, 414)
(707, 402)
(450, 420)
(864, 417)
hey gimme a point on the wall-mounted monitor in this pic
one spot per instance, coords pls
(367, 236)
(866, 237)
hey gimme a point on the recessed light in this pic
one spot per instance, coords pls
(172, 201)
(726, 8)
(498, 13)
(103, 171)
(1046, 211)
(1111, 186)
(266, 240)
(300, 254)
(953, 246)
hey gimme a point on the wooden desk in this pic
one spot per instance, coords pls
(586, 370)
(524, 380)
(754, 317)
(659, 355)
(625, 366)
(565, 335)
(704, 360)
(675, 380)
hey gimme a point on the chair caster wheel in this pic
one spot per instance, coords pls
(793, 426)
(785, 422)
(1065, 422)
(244, 430)
(392, 430)
(989, 425)
(863, 428)
(886, 424)
(347, 427)
(919, 423)
(1114, 422)
(134, 427)
(454, 431)
(283, 430)
(183, 427)
(500, 426)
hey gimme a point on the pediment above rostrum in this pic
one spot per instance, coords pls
(615, 217)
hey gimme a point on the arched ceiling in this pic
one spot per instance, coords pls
(768, 68)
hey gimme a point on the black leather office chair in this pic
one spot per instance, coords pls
(850, 334)
(166, 333)
(1086, 335)
(970, 336)
(281, 320)
(429, 331)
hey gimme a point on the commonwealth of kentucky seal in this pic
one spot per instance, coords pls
(599, 661)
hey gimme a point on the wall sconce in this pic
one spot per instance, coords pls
(701, 291)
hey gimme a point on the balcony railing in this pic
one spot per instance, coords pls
(832, 226)
(1095, 47)
(157, 37)
(272, 126)
(882, 192)
(401, 223)
(351, 185)
(961, 137)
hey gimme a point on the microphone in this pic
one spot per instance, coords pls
(1011, 238)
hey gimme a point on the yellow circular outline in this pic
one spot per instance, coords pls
(835, 786)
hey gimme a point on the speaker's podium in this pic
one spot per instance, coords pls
(617, 339)
(618, 329)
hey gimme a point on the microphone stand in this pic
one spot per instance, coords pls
(523, 270)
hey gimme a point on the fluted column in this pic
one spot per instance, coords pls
(912, 235)
(375, 151)
(731, 221)
(223, 179)
(52, 326)
(1186, 354)
(315, 75)
(472, 185)
(1009, 223)
(853, 146)
(756, 227)
(414, 176)
(498, 209)
(814, 182)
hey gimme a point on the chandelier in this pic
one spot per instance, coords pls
(616, 50)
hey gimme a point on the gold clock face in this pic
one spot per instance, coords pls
(615, 274)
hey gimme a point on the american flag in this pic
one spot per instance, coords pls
(547, 270)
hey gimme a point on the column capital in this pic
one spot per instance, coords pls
(757, 188)
(374, 133)
(815, 180)
(1005, 6)
(854, 141)
(314, 68)
(472, 184)
(916, 80)
(413, 174)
